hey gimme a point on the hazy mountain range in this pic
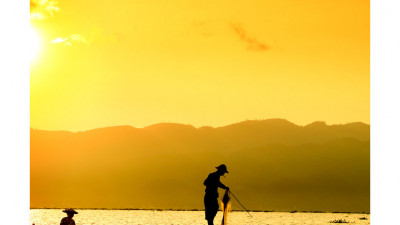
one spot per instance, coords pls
(273, 165)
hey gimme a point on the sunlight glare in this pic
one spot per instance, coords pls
(34, 44)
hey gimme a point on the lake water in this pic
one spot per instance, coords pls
(153, 217)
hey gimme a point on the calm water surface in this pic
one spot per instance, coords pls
(149, 217)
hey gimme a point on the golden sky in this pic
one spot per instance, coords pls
(106, 63)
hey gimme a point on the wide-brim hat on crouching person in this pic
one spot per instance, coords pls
(70, 211)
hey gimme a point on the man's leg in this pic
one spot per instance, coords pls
(213, 212)
(211, 208)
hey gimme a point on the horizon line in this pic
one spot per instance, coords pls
(232, 210)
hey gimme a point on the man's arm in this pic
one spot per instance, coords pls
(221, 185)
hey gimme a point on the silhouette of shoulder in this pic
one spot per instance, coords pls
(67, 221)
(212, 179)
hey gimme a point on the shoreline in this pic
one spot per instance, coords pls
(194, 210)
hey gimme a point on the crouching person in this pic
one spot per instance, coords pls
(68, 220)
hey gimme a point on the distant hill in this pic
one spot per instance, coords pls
(273, 165)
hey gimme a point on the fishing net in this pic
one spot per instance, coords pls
(226, 207)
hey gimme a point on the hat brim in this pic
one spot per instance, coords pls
(73, 212)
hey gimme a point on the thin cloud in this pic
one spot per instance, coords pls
(70, 40)
(42, 9)
(96, 36)
(252, 43)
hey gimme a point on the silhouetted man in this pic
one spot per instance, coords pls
(211, 197)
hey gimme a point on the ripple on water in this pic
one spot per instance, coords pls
(153, 217)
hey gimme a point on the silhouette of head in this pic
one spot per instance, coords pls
(221, 169)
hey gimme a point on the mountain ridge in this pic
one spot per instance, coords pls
(273, 165)
(206, 126)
